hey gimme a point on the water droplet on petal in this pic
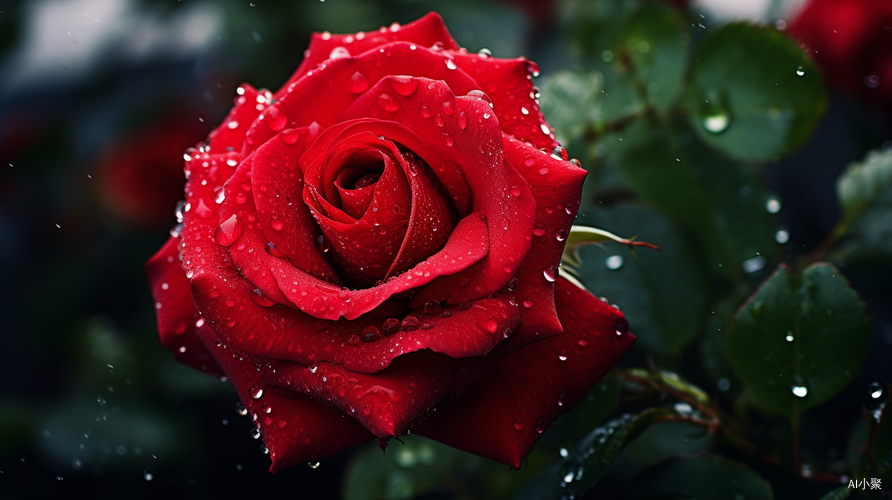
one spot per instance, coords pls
(339, 53)
(450, 64)
(229, 231)
(290, 136)
(404, 85)
(388, 102)
(425, 112)
(357, 84)
(260, 299)
(391, 326)
(550, 274)
(322, 244)
(256, 391)
(275, 119)
(875, 389)
(410, 324)
(800, 71)
(370, 334)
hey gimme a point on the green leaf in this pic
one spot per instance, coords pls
(714, 347)
(747, 97)
(653, 44)
(840, 493)
(862, 183)
(721, 202)
(865, 194)
(422, 467)
(597, 405)
(582, 467)
(700, 478)
(664, 295)
(800, 339)
(570, 103)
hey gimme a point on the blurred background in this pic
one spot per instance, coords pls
(98, 100)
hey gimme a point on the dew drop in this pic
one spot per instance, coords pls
(357, 84)
(539, 230)
(147, 474)
(716, 122)
(773, 205)
(518, 426)
(450, 64)
(290, 136)
(425, 112)
(782, 236)
(621, 328)
(229, 231)
(256, 391)
(277, 225)
(800, 71)
(391, 326)
(614, 262)
(275, 119)
(800, 391)
(560, 234)
(550, 274)
(545, 129)
(388, 102)
(462, 120)
(322, 244)
(876, 390)
(313, 465)
(410, 324)
(260, 299)
(339, 53)
(404, 85)
(512, 285)
(370, 334)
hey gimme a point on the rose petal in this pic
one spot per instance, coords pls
(294, 109)
(175, 312)
(425, 32)
(507, 83)
(474, 151)
(387, 403)
(231, 132)
(557, 188)
(502, 416)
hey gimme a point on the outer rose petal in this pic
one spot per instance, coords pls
(503, 414)
(426, 32)
(557, 188)
(295, 428)
(175, 312)
(387, 403)
(507, 83)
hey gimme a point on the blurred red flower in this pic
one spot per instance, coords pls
(852, 42)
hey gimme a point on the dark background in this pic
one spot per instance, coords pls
(98, 99)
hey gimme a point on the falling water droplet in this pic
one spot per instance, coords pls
(614, 262)
(782, 236)
(716, 122)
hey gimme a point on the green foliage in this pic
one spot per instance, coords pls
(597, 405)
(664, 295)
(420, 467)
(865, 196)
(583, 466)
(800, 339)
(754, 94)
(703, 478)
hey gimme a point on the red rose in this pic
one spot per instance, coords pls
(852, 42)
(141, 184)
(374, 249)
